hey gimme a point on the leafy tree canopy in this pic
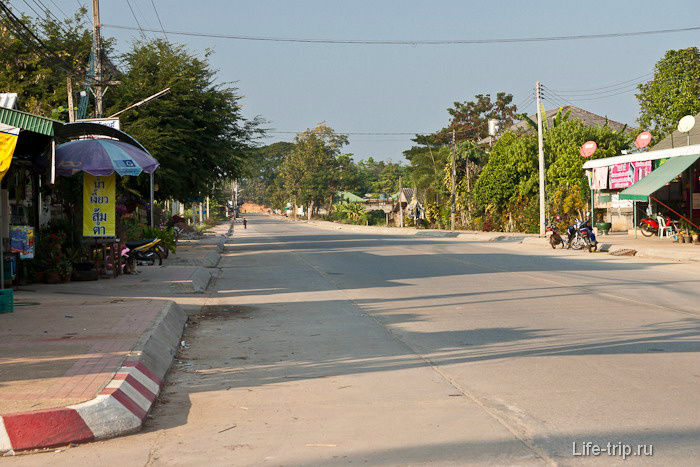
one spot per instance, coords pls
(197, 132)
(672, 93)
(38, 76)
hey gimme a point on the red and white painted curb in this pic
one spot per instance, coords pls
(119, 408)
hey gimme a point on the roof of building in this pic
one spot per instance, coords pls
(348, 196)
(407, 195)
(677, 139)
(588, 119)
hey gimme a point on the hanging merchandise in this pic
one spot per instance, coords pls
(600, 178)
(99, 207)
(8, 142)
(22, 241)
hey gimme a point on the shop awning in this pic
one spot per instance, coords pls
(27, 121)
(641, 190)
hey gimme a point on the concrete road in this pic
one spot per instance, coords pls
(324, 348)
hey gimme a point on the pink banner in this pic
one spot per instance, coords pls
(621, 175)
(641, 170)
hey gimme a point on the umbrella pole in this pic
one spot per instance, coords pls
(151, 190)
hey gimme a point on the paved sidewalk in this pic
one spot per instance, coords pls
(85, 360)
(652, 247)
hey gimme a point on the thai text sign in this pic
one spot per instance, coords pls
(99, 205)
(625, 174)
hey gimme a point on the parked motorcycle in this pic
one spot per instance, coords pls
(581, 235)
(649, 226)
(555, 238)
(144, 252)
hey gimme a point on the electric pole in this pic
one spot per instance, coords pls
(453, 209)
(540, 143)
(400, 205)
(99, 89)
(71, 107)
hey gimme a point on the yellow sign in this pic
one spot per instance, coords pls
(8, 142)
(99, 207)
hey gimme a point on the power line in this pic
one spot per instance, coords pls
(23, 32)
(612, 85)
(159, 21)
(58, 8)
(414, 42)
(604, 95)
(128, 2)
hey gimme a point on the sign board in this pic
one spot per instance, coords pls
(616, 202)
(110, 122)
(22, 241)
(642, 140)
(99, 206)
(588, 148)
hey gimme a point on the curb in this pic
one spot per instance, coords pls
(120, 408)
(196, 283)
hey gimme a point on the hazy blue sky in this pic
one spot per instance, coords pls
(382, 88)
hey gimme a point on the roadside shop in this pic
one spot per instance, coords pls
(34, 151)
(665, 181)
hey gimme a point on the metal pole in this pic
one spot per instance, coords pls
(540, 144)
(453, 207)
(151, 221)
(634, 217)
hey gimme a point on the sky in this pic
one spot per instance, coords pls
(407, 88)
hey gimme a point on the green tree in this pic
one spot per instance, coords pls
(197, 132)
(259, 182)
(470, 119)
(37, 75)
(672, 93)
(310, 173)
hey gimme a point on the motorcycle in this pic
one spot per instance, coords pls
(650, 226)
(144, 252)
(581, 235)
(555, 238)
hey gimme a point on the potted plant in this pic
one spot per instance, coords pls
(695, 235)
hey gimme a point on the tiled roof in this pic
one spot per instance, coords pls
(588, 119)
(677, 138)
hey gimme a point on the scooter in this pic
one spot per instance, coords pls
(555, 238)
(581, 236)
(144, 252)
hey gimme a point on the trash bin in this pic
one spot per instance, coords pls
(7, 301)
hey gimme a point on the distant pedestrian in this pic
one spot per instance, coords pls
(245, 223)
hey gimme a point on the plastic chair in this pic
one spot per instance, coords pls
(664, 230)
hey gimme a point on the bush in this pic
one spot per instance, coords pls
(166, 235)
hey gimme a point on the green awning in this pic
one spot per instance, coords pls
(27, 121)
(641, 190)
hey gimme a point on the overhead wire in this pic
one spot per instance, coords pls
(159, 21)
(612, 85)
(25, 33)
(143, 35)
(413, 42)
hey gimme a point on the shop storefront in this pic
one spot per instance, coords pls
(664, 181)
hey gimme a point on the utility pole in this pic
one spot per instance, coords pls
(540, 143)
(400, 205)
(453, 209)
(99, 89)
(71, 107)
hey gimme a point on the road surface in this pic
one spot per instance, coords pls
(319, 347)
